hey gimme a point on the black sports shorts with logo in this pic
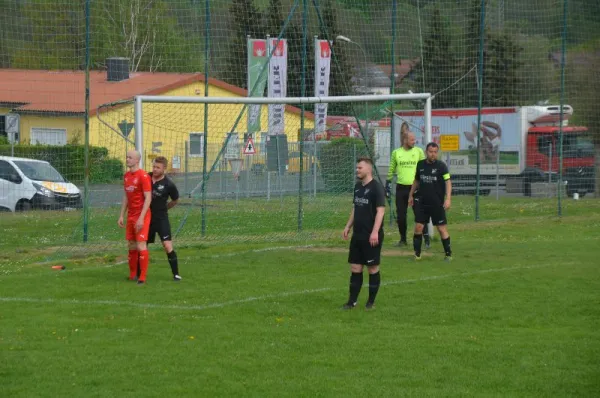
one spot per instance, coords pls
(423, 212)
(160, 226)
(361, 252)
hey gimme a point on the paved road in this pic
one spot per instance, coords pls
(220, 185)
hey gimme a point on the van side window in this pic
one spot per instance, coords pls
(6, 170)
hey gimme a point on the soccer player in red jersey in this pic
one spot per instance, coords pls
(136, 201)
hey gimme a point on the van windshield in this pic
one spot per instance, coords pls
(39, 171)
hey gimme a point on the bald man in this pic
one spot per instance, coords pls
(136, 201)
(403, 164)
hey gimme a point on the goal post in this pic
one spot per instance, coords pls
(300, 161)
(141, 99)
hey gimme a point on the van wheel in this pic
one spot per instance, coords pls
(23, 205)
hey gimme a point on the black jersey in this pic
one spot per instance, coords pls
(432, 181)
(162, 190)
(367, 198)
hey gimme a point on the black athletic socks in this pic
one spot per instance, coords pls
(447, 249)
(173, 262)
(417, 242)
(374, 282)
(356, 281)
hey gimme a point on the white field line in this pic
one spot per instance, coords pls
(245, 300)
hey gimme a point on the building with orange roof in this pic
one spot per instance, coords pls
(50, 107)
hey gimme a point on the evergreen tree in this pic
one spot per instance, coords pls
(439, 63)
(246, 21)
(341, 72)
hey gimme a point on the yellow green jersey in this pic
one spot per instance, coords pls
(403, 163)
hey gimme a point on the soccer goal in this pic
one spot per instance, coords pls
(216, 152)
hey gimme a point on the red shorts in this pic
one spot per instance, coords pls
(138, 236)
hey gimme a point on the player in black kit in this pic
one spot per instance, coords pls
(430, 197)
(366, 221)
(163, 188)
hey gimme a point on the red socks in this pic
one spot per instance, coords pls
(144, 259)
(133, 262)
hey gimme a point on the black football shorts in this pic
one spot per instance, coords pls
(361, 252)
(160, 226)
(424, 212)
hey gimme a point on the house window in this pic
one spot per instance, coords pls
(196, 145)
(45, 136)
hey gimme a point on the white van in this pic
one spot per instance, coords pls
(34, 184)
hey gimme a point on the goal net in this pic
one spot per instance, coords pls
(259, 186)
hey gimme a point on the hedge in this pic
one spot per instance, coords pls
(338, 163)
(69, 161)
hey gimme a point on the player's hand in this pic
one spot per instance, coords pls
(374, 238)
(446, 204)
(139, 224)
(345, 233)
(388, 189)
(411, 201)
(120, 222)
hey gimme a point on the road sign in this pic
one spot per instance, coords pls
(156, 146)
(236, 167)
(125, 127)
(450, 142)
(249, 148)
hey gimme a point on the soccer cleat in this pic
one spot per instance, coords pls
(448, 259)
(417, 258)
(349, 305)
(140, 282)
(369, 306)
(176, 278)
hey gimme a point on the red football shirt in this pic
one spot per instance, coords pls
(136, 184)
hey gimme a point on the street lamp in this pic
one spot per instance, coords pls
(366, 77)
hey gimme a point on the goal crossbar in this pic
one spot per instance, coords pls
(140, 99)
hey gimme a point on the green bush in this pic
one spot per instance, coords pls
(69, 161)
(338, 163)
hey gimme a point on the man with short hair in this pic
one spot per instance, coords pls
(366, 221)
(136, 202)
(434, 191)
(163, 188)
(403, 163)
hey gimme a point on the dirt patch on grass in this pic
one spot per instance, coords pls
(384, 252)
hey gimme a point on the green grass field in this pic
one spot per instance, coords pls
(516, 314)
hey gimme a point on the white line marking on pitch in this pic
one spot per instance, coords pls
(246, 300)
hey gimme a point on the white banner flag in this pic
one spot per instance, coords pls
(322, 69)
(277, 85)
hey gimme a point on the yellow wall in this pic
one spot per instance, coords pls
(73, 124)
(4, 111)
(171, 124)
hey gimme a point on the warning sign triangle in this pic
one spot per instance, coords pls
(249, 147)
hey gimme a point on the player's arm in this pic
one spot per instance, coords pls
(349, 224)
(414, 187)
(380, 212)
(124, 205)
(174, 195)
(391, 172)
(374, 238)
(446, 177)
(147, 189)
